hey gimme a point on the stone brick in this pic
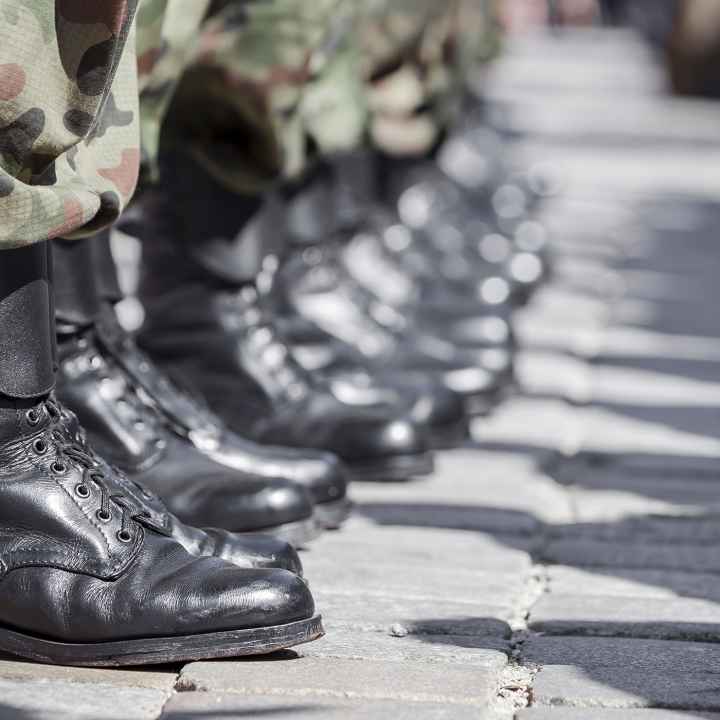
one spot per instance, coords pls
(341, 678)
(213, 706)
(646, 617)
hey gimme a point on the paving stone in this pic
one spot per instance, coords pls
(428, 547)
(617, 516)
(430, 617)
(618, 471)
(629, 386)
(632, 583)
(642, 617)
(394, 579)
(514, 496)
(411, 682)
(640, 119)
(516, 425)
(486, 652)
(552, 374)
(489, 517)
(618, 688)
(660, 464)
(212, 706)
(654, 658)
(537, 332)
(608, 430)
(27, 699)
(587, 713)
(149, 679)
(629, 555)
(650, 169)
(667, 317)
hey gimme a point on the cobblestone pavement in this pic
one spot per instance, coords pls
(566, 565)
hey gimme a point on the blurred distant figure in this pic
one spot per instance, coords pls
(694, 48)
(655, 19)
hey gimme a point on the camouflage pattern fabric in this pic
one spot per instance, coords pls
(418, 58)
(168, 34)
(68, 112)
(409, 64)
(270, 79)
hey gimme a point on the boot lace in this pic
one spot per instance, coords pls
(266, 342)
(72, 449)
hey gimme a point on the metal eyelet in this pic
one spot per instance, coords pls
(58, 467)
(123, 536)
(82, 491)
(103, 515)
(32, 417)
(40, 446)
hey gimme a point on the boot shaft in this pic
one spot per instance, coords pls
(27, 351)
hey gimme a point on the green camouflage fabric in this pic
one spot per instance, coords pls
(271, 82)
(418, 58)
(168, 34)
(409, 64)
(68, 117)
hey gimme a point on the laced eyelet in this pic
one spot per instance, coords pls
(123, 536)
(82, 491)
(59, 467)
(32, 417)
(40, 446)
(103, 515)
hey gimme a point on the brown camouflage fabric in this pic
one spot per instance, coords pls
(68, 108)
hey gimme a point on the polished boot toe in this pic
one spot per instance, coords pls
(207, 494)
(381, 449)
(256, 551)
(440, 409)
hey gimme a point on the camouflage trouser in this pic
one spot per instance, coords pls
(277, 82)
(417, 56)
(271, 81)
(68, 106)
(69, 119)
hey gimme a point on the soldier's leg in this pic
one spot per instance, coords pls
(235, 151)
(70, 525)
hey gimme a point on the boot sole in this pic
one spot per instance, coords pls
(483, 404)
(298, 534)
(395, 469)
(331, 515)
(161, 650)
(450, 435)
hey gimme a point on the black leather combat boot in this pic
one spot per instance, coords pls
(472, 236)
(71, 527)
(217, 333)
(320, 473)
(321, 289)
(127, 429)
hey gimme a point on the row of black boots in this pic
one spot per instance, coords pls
(341, 329)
